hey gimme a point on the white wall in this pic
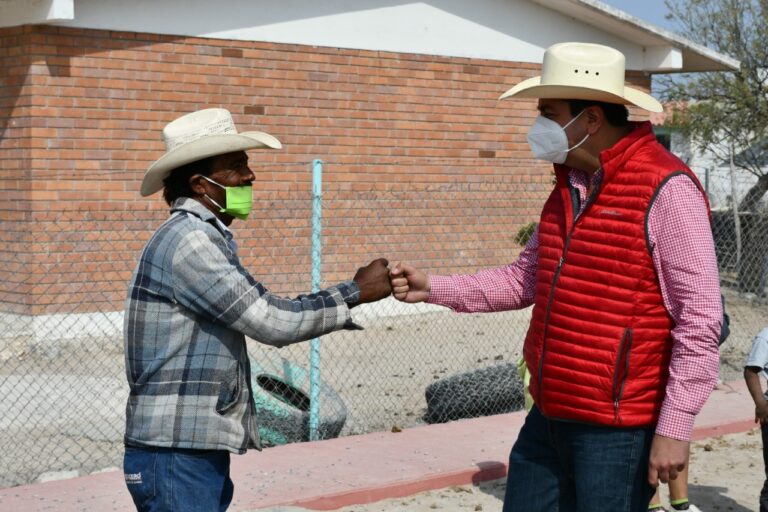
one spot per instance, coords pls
(20, 12)
(513, 30)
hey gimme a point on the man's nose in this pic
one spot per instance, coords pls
(248, 177)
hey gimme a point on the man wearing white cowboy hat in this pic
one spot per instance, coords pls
(190, 305)
(623, 279)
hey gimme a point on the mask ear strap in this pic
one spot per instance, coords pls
(582, 141)
(217, 205)
(569, 123)
(209, 198)
(206, 178)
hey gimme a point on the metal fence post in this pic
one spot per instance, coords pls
(314, 371)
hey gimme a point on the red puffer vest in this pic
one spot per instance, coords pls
(599, 342)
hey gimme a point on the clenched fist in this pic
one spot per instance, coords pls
(373, 281)
(409, 284)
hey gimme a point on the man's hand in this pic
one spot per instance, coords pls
(409, 284)
(752, 378)
(761, 413)
(668, 456)
(373, 281)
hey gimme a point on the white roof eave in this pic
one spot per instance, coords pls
(23, 12)
(695, 57)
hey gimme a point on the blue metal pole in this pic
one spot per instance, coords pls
(314, 369)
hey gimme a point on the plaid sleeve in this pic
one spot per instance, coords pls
(209, 283)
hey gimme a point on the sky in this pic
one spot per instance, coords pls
(652, 11)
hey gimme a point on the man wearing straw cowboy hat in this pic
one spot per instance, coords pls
(622, 275)
(190, 305)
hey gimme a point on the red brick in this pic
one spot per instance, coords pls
(421, 159)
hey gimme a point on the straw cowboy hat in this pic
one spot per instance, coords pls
(583, 71)
(198, 135)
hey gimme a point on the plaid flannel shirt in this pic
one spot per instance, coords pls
(190, 305)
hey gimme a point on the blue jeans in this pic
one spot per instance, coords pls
(568, 467)
(172, 479)
(764, 491)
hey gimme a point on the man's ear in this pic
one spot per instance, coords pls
(196, 184)
(595, 119)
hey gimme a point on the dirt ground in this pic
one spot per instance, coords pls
(726, 475)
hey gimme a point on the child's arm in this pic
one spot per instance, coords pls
(752, 378)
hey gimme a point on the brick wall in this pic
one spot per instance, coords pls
(15, 150)
(421, 162)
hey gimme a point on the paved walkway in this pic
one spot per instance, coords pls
(330, 474)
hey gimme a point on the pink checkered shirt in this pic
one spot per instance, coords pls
(685, 261)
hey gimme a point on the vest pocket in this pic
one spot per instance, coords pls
(620, 372)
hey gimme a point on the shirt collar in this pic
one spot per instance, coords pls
(195, 207)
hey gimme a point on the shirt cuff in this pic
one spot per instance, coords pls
(442, 291)
(350, 292)
(675, 424)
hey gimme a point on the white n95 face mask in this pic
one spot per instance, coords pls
(549, 141)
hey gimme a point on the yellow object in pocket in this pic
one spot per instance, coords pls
(525, 375)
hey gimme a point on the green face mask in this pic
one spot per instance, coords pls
(239, 200)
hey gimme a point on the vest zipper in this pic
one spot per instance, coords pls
(558, 269)
(620, 373)
(549, 312)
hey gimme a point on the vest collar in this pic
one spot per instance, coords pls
(613, 158)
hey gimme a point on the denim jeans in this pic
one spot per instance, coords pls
(764, 491)
(568, 467)
(177, 480)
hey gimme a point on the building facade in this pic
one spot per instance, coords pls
(421, 161)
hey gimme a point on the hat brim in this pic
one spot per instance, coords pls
(532, 88)
(199, 149)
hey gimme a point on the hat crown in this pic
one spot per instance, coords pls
(583, 71)
(591, 66)
(194, 126)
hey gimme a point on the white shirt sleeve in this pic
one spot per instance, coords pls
(758, 356)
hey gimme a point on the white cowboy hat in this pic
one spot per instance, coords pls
(198, 135)
(583, 71)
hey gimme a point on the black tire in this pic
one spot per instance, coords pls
(281, 395)
(484, 392)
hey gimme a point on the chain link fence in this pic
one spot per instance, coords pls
(741, 240)
(62, 371)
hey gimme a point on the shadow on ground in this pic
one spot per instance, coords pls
(707, 498)
(493, 488)
(712, 498)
